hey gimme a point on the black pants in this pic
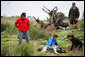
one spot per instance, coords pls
(73, 21)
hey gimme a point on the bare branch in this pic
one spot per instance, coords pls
(46, 8)
(34, 17)
(55, 8)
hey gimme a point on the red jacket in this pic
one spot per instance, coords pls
(22, 24)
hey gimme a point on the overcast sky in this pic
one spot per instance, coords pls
(34, 8)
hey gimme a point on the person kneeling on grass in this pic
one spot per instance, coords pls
(76, 43)
(52, 44)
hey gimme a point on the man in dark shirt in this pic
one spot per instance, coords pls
(76, 43)
(73, 16)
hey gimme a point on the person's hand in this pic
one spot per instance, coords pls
(76, 19)
(62, 50)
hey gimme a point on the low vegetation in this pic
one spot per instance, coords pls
(39, 37)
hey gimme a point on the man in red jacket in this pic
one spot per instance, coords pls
(23, 26)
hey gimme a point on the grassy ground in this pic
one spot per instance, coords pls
(39, 37)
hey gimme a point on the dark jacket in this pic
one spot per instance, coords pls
(76, 43)
(74, 13)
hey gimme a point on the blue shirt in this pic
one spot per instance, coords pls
(52, 41)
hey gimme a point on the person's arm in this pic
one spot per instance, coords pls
(71, 47)
(17, 23)
(77, 13)
(28, 24)
(58, 45)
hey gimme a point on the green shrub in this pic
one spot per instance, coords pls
(4, 26)
(12, 29)
(8, 49)
(78, 34)
(35, 32)
(42, 42)
(25, 49)
(82, 24)
(8, 26)
(4, 50)
(7, 37)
